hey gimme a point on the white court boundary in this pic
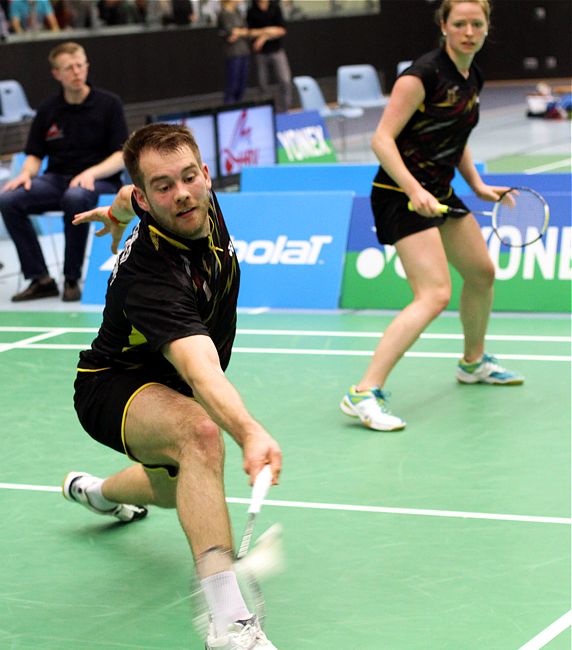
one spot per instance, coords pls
(565, 162)
(456, 514)
(43, 333)
(57, 331)
(548, 634)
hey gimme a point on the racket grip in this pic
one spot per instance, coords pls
(443, 209)
(260, 489)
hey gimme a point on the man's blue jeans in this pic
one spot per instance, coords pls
(236, 78)
(50, 192)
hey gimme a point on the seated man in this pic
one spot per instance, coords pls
(81, 130)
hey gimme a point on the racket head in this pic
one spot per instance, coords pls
(520, 217)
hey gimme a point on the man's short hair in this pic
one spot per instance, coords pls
(69, 47)
(164, 138)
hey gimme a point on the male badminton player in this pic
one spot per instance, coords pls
(152, 386)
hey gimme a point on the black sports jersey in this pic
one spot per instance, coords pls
(165, 288)
(432, 142)
(256, 18)
(78, 136)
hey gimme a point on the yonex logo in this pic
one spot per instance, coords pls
(282, 250)
(548, 258)
(301, 144)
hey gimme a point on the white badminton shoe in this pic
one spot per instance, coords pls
(76, 486)
(370, 406)
(240, 635)
(487, 371)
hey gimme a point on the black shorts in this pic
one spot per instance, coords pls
(101, 400)
(393, 219)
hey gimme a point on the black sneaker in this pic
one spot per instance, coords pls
(72, 292)
(37, 290)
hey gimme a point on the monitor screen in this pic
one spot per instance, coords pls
(246, 137)
(203, 128)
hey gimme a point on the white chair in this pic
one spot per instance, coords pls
(312, 99)
(402, 65)
(43, 223)
(358, 85)
(14, 105)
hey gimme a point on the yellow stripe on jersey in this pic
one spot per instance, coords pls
(135, 339)
(388, 187)
(174, 242)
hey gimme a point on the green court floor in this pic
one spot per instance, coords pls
(534, 164)
(453, 534)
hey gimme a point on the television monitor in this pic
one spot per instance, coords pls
(203, 127)
(246, 137)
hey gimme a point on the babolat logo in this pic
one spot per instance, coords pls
(282, 250)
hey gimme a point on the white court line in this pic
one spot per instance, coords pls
(456, 514)
(307, 352)
(352, 508)
(551, 632)
(319, 333)
(59, 330)
(566, 162)
(31, 340)
(424, 335)
(312, 352)
(32, 488)
(411, 354)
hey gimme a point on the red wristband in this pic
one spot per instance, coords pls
(115, 220)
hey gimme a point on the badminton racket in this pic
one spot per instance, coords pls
(519, 218)
(264, 560)
(250, 585)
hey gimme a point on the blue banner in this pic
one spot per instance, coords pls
(290, 246)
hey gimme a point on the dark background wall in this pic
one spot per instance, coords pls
(157, 65)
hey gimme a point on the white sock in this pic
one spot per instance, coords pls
(224, 599)
(96, 498)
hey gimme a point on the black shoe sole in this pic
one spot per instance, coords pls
(35, 296)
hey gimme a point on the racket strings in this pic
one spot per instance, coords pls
(528, 216)
(521, 221)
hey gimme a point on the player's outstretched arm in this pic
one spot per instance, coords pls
(196, 359)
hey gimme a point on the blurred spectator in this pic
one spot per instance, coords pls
(64, 13)
(32, 15)
(208, 11)
(267, 27)
(292, 11)
(78, 14)
(233, 29)
(178, 12)
(4, 27)
(120, 12)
